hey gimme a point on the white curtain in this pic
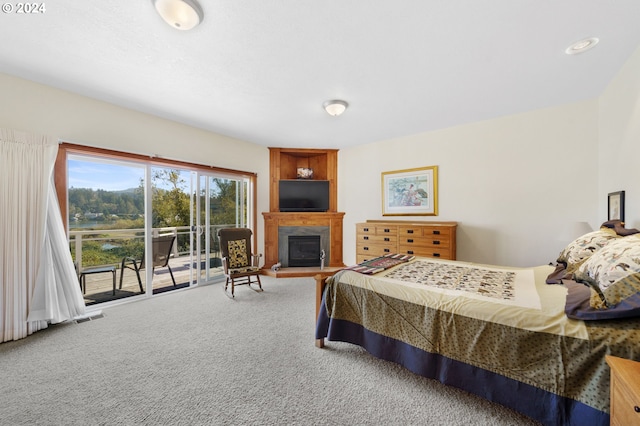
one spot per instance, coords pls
(57, 296)
(38, 280)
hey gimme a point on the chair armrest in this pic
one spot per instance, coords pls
(127, 261)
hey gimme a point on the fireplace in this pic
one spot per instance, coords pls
(312, 240)
(304, 250)
(278, 226)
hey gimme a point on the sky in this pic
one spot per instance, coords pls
(99, 175)
(108, 175)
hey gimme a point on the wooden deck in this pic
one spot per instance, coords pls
(99, 287)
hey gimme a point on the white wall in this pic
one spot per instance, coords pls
(72, 118)
(515, 185)
(619, 114)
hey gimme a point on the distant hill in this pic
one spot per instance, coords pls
(124, 202)
(126, 191)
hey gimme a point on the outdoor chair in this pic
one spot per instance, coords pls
(161, 249)
(240, 265)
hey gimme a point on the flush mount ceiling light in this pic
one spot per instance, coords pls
(335, 107)
(180, 14)
(581, 46)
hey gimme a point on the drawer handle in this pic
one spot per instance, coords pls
(636, 409)
(387, 250)
(386, 238)
(409, 231)
(366, 229)
(436, 232)
(365, 237)
(365, 248)
(436, 254)
(436, 242)
(386, 230)
(409, 240)
(409, 251)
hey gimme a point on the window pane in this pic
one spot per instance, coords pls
(106, 222)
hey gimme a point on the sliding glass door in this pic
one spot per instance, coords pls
(106, 214)
(171, 235)
(138, 229)
(221, 202)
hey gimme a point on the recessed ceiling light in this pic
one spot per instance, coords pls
(582, 46)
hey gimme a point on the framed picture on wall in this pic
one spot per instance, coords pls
(410, 192)
(615, 202)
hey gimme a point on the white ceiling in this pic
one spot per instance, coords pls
(260, 70)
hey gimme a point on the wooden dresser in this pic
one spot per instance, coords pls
(625, 391)
(376, 238)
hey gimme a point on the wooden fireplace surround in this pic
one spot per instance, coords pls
(283, 164)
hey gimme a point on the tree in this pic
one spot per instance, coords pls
(223, 201)
(170, 207)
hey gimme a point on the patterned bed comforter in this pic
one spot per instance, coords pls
(474, 314)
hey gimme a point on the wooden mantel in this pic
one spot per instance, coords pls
(284, 163)
(274, 220)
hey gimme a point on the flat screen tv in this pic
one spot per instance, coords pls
(304, 195)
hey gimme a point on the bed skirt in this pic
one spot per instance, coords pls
(543, 406)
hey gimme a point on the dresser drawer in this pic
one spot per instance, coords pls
(424, 231)
(375, 250)
(624, 404)
(410, 231)
(625, 391)
(386, 230)
(429, 241)
(376, 239)
(441, 232)
(440, 253)
(365, 228)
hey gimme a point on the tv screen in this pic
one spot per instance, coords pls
(304, 195)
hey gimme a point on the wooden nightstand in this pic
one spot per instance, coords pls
(625, 391)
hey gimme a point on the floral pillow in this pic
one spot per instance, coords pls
(238, 254)
(613, 275)
(578, 251)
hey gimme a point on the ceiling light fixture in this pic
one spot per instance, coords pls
(180, 14)
(335, 107)
(582, 46)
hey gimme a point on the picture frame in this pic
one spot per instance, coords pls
(410, 192)
(615, 206)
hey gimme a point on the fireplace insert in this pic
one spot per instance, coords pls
(304, 250)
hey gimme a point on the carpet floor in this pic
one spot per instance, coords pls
(197, 357)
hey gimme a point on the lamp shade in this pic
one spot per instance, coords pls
(580, 228)
(180, 14)
(335, 107)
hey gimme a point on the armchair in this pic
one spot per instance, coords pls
(240, 265)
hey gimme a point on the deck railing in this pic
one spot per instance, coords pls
(110, 238)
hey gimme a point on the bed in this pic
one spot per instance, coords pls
(532, 339)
